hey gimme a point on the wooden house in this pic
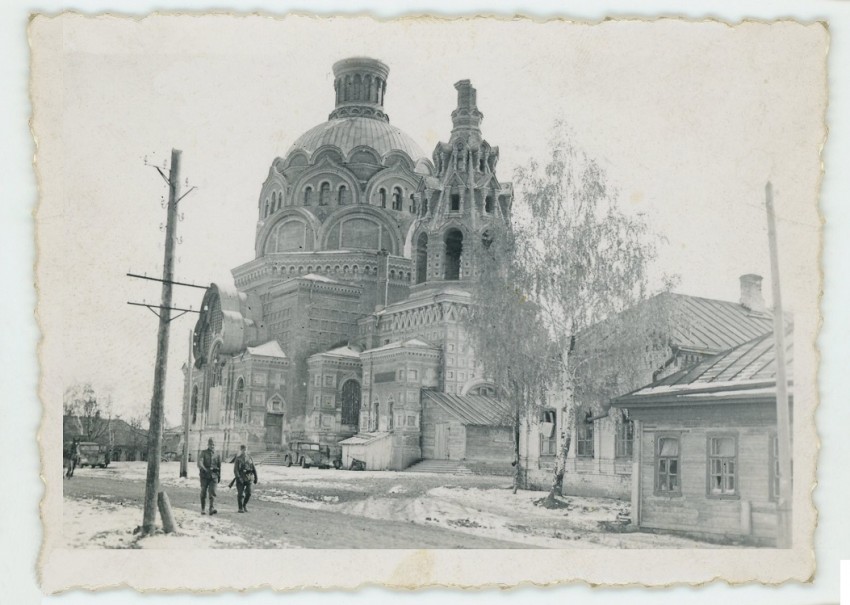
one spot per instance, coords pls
(601, 451)
(705, 454)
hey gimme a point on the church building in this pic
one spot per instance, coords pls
(347, 326)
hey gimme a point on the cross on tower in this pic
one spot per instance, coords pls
(278, 381)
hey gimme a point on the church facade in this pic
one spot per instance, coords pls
(352, 309)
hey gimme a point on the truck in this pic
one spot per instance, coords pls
(93, 454)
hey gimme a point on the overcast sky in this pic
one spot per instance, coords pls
(688, 119)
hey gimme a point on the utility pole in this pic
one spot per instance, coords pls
(184, 458)
(155, 428)
(783, 423)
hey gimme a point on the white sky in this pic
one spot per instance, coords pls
(689, 120)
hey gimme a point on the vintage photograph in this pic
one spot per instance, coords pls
(298, 297)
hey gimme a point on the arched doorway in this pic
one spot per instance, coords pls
(454, 249)
(351, 404)
(421, 258)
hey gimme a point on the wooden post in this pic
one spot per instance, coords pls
(155, 428)
(165, 512)
(783, 423)
(187, 406)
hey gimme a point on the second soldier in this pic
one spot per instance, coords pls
(245, 474)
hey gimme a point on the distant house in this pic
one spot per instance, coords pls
(705, 449)
(600, 457)
(125, 441)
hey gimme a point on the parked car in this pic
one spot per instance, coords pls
(309, 454)
(93, 454)
(170, 456)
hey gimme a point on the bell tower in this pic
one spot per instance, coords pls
(463, 198)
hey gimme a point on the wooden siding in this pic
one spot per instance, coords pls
(694, 510)
(433, 414)
(489, 444)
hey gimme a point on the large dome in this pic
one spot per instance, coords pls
(348, 133)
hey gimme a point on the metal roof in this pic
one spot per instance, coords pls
(747, 370)
(268, 349)
(473, 409)
(348, 133)
(716, 325)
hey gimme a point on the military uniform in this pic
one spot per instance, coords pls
(209, 463)
(245, 473)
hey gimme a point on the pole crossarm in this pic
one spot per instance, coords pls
(175, 283)
(162, 174)
(184, 195)
(152, 307)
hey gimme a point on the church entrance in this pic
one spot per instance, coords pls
(274, 431)
(351, 404)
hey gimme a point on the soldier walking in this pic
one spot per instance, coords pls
(73, 457)
(244, 474)
(209, 463)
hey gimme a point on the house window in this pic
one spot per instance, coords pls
(722, 466)
(774, 467)
(317, 380)
(329, 380)
(624, 445)
(324, 194)
(667, 470)
(548, 441)
(342, 196)
(584, 436)
(382, 198)
(308, 196)
(455, 202)
(488, 204)
(397, 197)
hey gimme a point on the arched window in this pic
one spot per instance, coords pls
(421, 258)
(267, 209)
(279, 200)
(454, 249)
(195, 404)
(308, 195)
(377, 410)
(342, 195)
(396, 198)
(488, 204)
(390, 415)
(382, 198)
(324, 194)
(240, 399)
(351, 403)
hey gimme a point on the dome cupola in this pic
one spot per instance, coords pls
(360, 84)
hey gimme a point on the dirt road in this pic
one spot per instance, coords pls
(305, 528)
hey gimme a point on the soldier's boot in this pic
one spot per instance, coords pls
(239, 502)
(245, 503)
(212, 507)
(204, 505)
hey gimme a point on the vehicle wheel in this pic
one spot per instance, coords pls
(337, 464)
(287, 461)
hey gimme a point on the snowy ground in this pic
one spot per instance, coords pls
(480, 505)
(117, 527)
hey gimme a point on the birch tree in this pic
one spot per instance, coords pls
(92, 414)
(564, 273)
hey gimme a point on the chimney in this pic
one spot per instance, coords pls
(751, 297)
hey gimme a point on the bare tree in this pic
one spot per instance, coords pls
(563, 278)
(91, 413)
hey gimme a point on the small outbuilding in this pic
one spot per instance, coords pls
(706, 449)
(475, 429)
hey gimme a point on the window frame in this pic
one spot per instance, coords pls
(709, 474)
(656, 467)
(620, 440)
(582, 428)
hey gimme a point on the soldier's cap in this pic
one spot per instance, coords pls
(243, 447)
(210, 441)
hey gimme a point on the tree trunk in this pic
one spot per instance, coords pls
(568, 419)
(517, 463)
